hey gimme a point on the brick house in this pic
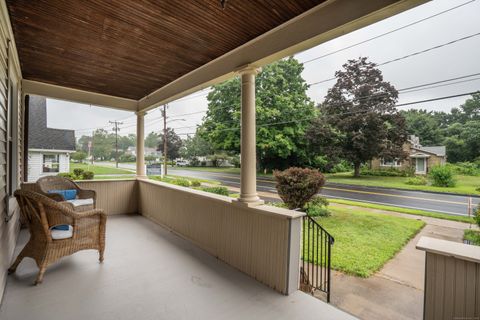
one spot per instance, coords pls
(420, 157)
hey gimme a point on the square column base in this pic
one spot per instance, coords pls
(248, 204)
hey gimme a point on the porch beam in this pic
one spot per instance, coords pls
(75, 95)
(248, 171)
(141, 144)
(322, 23)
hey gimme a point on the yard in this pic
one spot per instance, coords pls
(465, 184)
(365, 241)
(99, 170)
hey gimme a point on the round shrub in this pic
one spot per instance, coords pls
(78, 172)
(296, 186)
(442, 176)
(181, 182)
(87, 175)
(417, 181)
(65, 175)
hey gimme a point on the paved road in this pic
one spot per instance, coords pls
(445, 203)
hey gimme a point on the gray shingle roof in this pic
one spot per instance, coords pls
(438, 150)
(41, 137)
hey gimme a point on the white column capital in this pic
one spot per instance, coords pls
(248, 69)
(141, 113)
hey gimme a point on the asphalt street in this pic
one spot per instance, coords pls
(444, 203)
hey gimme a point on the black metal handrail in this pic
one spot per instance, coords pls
(315, 270)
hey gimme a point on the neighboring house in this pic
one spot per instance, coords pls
(148, 152)
(48, 149)
(420, 157)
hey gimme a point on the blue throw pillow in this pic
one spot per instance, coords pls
(70, 194)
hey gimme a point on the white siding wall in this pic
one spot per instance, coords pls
(35, 163)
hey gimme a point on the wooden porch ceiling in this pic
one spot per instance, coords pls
(129, 48)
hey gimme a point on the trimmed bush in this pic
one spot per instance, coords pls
(296, 186)
(442, 176)
(417, 181)
(317, 207)
(217, 190)
(389, 172)
(477, 215)
(87, 175)
(78, 172)
(465, 168)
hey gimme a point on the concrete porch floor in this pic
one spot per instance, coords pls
(148, 273)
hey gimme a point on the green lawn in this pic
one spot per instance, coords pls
(465, 184)
(403, 210)
(365, 241)
(99, 170)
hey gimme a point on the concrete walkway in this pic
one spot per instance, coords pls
(396, 291)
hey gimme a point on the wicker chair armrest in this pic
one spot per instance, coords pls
(87, 194)
(54, 196)
(67, 204)
(90, 213)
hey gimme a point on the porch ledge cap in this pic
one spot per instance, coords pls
(450, 249)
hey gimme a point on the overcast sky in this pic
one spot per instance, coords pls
(450, 61)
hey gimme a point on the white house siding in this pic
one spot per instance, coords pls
(35, 164)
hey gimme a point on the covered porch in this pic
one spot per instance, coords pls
(170, 252)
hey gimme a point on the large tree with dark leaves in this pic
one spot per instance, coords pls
(283, 112)
(360, 115)
(174, 144)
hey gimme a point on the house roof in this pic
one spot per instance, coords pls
(440, 151)
(42, 137)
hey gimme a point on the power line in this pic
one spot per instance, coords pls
(409, 55)
(388, 32)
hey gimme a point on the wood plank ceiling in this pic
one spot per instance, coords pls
(131, 48)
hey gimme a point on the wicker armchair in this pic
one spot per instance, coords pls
(48, 183)
(41, 213)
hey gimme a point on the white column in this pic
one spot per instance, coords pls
(141, 144)
(248, 173)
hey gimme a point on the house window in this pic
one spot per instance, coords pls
(51, 163)
(390, 163)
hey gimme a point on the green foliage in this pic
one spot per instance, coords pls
(342, 166)
(218, 159)
(152, 140)
(235, 160)
(417, 181)
(182, 182)
(174, 144)
(353, 127)
(281, 97)
(66, 175)
(388, 172)
(79, 156)
(317, 207)
(127, 158)
(195, 146)
(477, 215)
(442, 176)
(87, 175)
(472, 236)
(296, 186)
(78, 171)
(217, 190)
(465, 168)
(195, 183)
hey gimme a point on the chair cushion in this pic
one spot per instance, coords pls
(81, 202)
(69, 194)
(58, 232)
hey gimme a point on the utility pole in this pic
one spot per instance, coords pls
(164, 114)
(116, 128)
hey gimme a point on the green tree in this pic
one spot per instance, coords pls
(79, 156)
(103, 144)
(127, 141)
(196, 146)
(282, 109)
(152, 140)
(360, 110)
(174, 144)
(425, 125)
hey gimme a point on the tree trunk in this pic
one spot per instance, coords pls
(356, 173)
